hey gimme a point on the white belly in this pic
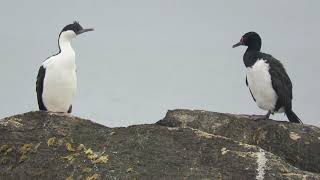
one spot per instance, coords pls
(259, 82)
(59, 89)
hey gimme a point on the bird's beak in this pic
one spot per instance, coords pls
(238, 44)
(84, 30)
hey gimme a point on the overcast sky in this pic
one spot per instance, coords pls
(148, 56)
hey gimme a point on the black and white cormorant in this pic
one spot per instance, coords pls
(57, 81)
(267, 79)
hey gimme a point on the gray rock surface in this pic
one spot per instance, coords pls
(184, 145)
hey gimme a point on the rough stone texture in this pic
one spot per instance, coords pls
(298, 144)
(184, 145)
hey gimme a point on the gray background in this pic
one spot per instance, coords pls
(146, 57)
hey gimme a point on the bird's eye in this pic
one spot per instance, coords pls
(242, 40)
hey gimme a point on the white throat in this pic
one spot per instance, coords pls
(65, 41)
(66, 57)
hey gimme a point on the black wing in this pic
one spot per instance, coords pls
(250, 89)
(39, 87)
(70, 109)
(281, 82)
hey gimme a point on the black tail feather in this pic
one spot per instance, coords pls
(293, 117)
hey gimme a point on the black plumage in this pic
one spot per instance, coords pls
(250, 89)
(39, 87)
(280, 80)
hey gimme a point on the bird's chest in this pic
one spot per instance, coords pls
(61, 74)
(260, 84)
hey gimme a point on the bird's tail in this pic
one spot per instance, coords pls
(293, 117)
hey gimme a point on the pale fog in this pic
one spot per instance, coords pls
(146, 57)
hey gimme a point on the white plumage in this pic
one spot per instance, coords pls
(57, 80)
(60, 82)
(259, 82)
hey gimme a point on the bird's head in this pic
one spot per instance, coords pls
(250, 39)
(70, 31)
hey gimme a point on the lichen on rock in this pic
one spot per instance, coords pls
(184, 145)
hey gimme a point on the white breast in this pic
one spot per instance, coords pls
(259, 82)
(60, 82)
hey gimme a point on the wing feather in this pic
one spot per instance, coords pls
(39, 87)
(281, 82)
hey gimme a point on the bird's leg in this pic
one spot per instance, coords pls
(60, 113)
(66, 114)
(261, 117)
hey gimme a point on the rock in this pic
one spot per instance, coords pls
(184, 145)
(297, 144)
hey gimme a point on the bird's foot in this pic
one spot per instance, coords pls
(258, 117)
(60, 114)
(261, 117)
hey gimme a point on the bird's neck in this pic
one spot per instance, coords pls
(250, 57)
(254, 46)
(65, 45)
(66, 54)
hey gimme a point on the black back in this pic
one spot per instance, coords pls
(281, 82)
(39, 87)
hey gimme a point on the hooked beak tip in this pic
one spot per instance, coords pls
(236, 45)
(85, 30)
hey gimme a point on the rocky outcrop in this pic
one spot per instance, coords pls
(184, 145)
